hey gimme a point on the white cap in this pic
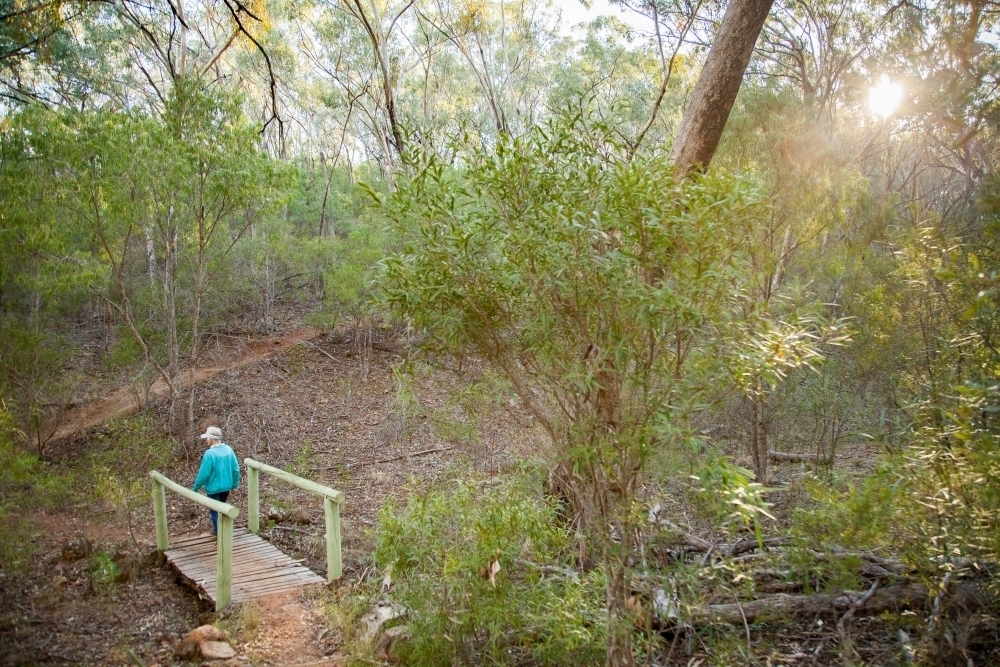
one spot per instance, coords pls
(213, 432)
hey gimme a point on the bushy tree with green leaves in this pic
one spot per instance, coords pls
(609, 294)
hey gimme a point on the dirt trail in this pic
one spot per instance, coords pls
(124, 401)
(290, 632)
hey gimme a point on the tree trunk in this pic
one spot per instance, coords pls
(170, 309)
(199, 289)
(378, 39)
(760, 432)
(719, 82)
(326, 195)
(618, 645)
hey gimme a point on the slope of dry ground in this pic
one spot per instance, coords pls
(311, 404)
(318, 406)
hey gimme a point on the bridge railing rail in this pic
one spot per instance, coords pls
(224, 544)
(332, 500)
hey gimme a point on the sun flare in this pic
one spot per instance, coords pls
(885, 98)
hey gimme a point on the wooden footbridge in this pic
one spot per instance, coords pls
(238, 565)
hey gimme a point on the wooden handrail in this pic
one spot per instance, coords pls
(222, 508)
(332, 500)
(295, 480)
(224, 541)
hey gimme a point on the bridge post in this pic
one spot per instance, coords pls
(160, 516)
(333, 562)
(224, 562)
(253, 499)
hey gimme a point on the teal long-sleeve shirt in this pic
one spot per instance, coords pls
(220, 471)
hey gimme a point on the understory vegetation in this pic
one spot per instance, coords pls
(767, 384)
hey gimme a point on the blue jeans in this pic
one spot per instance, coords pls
(221, 497)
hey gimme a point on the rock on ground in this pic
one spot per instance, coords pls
(217, 651)
(191, 647)
(77, 549)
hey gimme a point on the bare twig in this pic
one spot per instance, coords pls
(317, 348)
(849, 614)
(745, 624)
(689, 539)
(858, 604)
(360, 464)
(936, 607)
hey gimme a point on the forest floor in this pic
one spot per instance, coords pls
(322, 405)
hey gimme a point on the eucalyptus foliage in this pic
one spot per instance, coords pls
(144, 211)
(609, 294)
(487, 577)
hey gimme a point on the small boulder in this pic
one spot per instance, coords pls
(299, 516)
(127, 567)
(190, 648)
(217, 651)
(187, 650)
(277, 515)
(382, 613)
(77, 549)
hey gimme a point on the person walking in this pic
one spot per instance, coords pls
(219, 473)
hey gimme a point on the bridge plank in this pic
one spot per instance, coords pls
(252, 571)
(259, 568)
(201, 555)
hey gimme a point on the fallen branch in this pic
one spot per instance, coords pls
(564, 572)
(860, 602)
(750, 544)
(317, 348)
(359, 464)
(873, 565)
(686, 537)
(787, 456)
(870, 603)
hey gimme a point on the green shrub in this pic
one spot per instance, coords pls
(726, 493)
(349, 278)
(24, 483)
(952, 473)
(31, 377)
(485, 574)
(116, 472)
(102, 570)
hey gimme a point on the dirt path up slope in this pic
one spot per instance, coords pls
(124, 401)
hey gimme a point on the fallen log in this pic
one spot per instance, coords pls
(968, 594)
(750, 544)
(788, 456)
(686, 537)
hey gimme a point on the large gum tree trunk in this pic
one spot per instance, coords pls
(720, 80)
